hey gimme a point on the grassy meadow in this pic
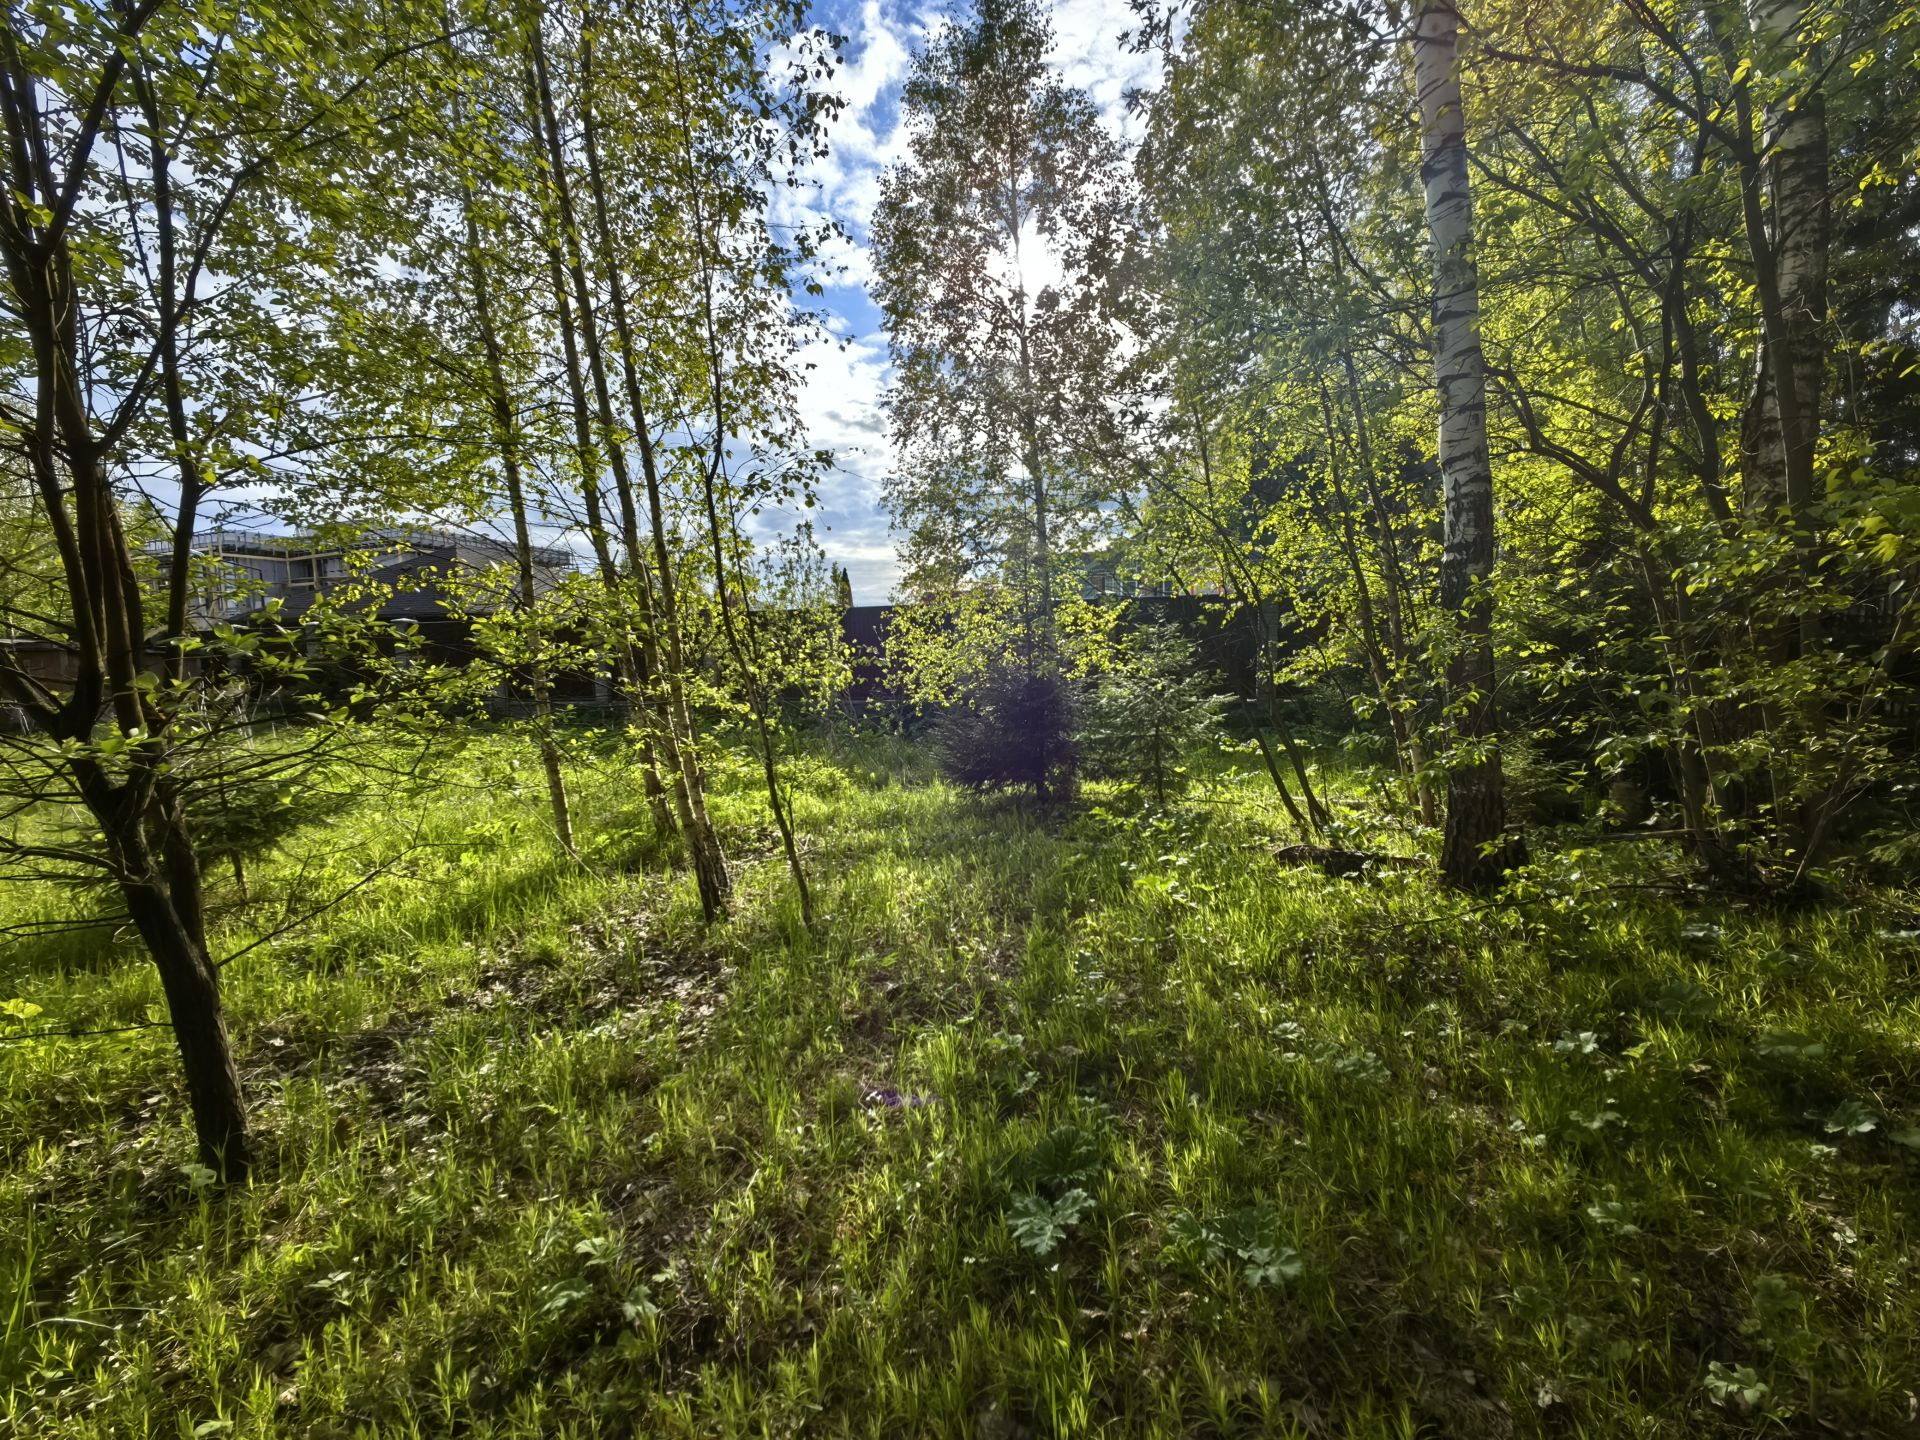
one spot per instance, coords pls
(1096, 1123)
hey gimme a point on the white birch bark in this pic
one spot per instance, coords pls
(1476, 816)
(1794, 146)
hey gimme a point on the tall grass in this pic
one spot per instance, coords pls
(1352, 1158)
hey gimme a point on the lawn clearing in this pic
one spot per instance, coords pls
(1098, 1123)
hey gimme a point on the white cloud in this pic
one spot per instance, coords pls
(866, 136)
(841, 397)
(1088, 50)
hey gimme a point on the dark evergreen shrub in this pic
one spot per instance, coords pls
(1014, 732)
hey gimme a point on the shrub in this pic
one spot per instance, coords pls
(1149, 710)
(1015, 731)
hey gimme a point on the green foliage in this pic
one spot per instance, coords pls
(1005, 388)
(1246, 1237)
(1739, 1386)
(1667, 614)
(1067, 1156)
(1148, 710)
(1038, 1224)
(1015, 730)
(543, 1153)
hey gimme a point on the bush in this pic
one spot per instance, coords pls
(1015, 731)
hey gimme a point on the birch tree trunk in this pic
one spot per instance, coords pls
(1785, 212)
(1796, 143)
(1790, 245)
(713, 472)
(1472, 853)
(710, 862)
(633, 675)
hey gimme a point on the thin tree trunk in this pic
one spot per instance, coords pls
(1789, 245)
(712, 475)
(1409, 754)
(1031, 454)
(1280, 783)
(162, 891)
(1299, 762)
(506, 436)
(712, 472)
(709, 862)
(1473, 852)
(637, 671)
(1397, 596)
(165, 914)
(1691, 752)
(192, 479)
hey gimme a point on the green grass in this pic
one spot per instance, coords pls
(1320, 1157)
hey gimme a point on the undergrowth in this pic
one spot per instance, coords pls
(1099, 1122)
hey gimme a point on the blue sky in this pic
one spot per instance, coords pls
(841, 400)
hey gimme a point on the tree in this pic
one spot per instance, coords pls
(1014, 730)
(992, 242)
(1289, 468)
(507, 437)
(661, 635)
(1472, 852)
(1149, 709)
(1638, 175)
(1631, 356)
(745, 333)
(153, 156)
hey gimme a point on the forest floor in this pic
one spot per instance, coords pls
(1098, 1123)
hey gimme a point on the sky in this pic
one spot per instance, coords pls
(848, 376)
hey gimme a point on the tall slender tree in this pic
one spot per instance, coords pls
(507, 438)
(1473, 850)
(991, 241)
(148, 150)
(661, 628)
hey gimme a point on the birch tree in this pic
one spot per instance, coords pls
(1785, 208)
(1472, 851)
(507, 438)
(991, 242)
(661, 631)
(177, 188)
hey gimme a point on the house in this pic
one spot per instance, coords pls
(239, 572)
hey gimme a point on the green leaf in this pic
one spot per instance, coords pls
(597, 1250)
(1249, 1236)
(1067, 1156)
(1612, 1215)
(198, 1176)
(1852, 1117)
(1739, 1386)
(1039, 1224)
(562, 1296)
(1788, 1045)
